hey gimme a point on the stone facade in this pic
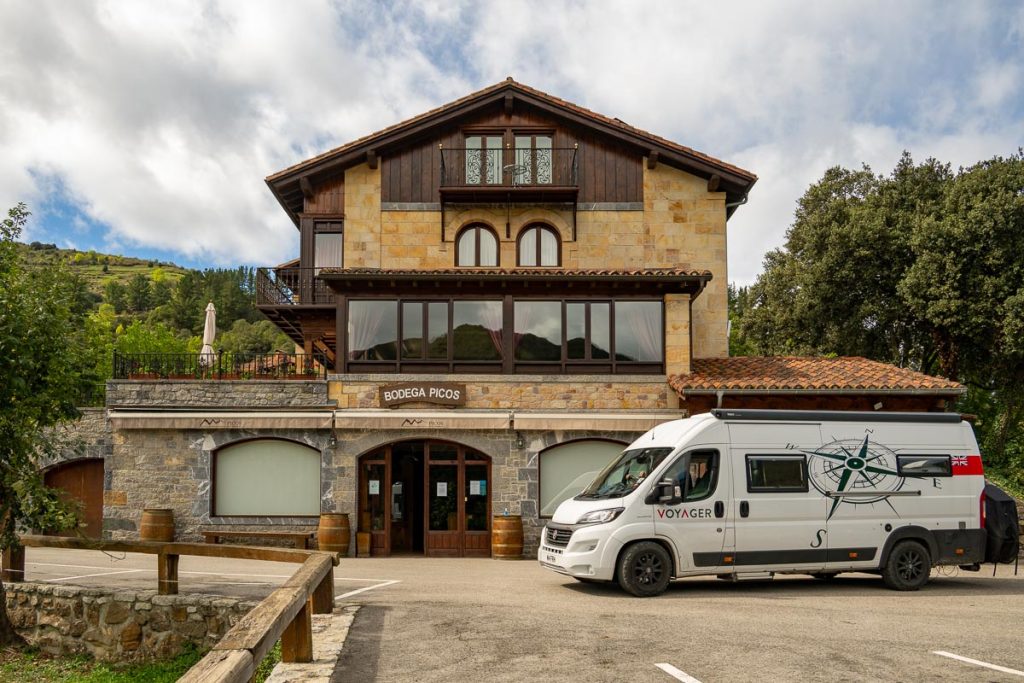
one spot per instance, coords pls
(118, 627)
(522, 392)
(217, 394)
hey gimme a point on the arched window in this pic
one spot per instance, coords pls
(568, 468)
(266, 477)
(539, 246)
(476, 245)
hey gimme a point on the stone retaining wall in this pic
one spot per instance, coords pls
(123, 626)
(239, 394)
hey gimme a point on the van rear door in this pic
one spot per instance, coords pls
(779, 518)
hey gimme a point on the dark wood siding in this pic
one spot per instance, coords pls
(329, 197)
(609, 171)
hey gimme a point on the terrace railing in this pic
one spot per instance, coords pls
(291, 287)
(509, 168)
(220, 366)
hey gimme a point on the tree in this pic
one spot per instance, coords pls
(38, 378)
(246, 339)
(139, 293)
(923, 268)
(115, 294)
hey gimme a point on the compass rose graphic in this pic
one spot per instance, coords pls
(851, 465)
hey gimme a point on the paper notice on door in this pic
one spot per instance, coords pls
(442, 489)
(477, 487)
(375, 487)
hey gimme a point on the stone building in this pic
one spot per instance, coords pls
(504, 291)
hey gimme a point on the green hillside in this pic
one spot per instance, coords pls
(96, 269)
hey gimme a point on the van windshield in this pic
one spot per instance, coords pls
(623, 475)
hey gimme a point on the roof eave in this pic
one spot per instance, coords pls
(909, 391)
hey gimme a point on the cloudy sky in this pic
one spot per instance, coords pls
(147, 128)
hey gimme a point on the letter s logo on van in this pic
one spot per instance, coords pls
(684, 513)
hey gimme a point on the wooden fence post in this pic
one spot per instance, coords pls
(167, 574)
(297, 639)
(13, 565)
(323, 596)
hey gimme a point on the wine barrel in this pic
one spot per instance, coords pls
(157, 525)
(333, 533)
(507, 537)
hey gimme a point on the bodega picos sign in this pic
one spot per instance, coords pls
(440, 393)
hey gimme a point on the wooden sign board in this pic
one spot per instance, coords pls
(439, 393)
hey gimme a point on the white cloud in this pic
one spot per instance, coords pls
(162, 119)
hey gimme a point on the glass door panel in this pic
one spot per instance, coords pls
(443, 497)
(476, 497)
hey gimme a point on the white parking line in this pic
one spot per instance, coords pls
(368, 588)
(968, 660)
(86, 576)
(676, 673)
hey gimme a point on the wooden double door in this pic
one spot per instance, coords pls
(81, 484)
(426, 497)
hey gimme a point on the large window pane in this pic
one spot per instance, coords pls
(576, 331)
(638, 331)
(328, 249)
(476, 498)
(444, 498)
(412, 330)
(600, 331)
(476, 330)
(568, 469)
(372, 330)
(267, 477)
(437, 330)
(538, 330)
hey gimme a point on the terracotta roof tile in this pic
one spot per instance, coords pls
(535, 272)
(788, 373)
(616, 123)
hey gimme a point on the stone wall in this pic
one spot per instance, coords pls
(122, 626)
(87, 437)
(523, 392)
(217, 393)
(173, 468)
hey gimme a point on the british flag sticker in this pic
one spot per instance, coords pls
(967, 465)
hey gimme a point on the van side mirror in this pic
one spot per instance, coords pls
(667, 492)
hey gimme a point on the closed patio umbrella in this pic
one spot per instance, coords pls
(206, 355)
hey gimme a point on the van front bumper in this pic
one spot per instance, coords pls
(589, 553)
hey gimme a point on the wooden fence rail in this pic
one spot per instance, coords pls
(284, 615)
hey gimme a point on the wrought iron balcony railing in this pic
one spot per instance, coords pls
(291, 287)
(219, 366)
(509, 168)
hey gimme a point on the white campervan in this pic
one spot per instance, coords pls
(749, 493)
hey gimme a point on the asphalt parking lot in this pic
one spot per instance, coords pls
(470, 619)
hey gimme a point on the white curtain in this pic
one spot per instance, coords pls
(548, 247)
(642, 321)
(328, 250)
(467, 247)
(364, 322)
(488, 248)
(528, 248)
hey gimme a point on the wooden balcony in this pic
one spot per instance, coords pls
(291, 287)
(509, 175)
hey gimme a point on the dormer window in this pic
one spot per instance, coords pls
(539, 246)
(476, 246)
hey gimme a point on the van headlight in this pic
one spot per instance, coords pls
(599, 516)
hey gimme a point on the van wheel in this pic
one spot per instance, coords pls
(644, 569)
(908, 567)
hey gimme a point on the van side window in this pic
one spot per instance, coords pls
(924, 465)
(696, 473)
(776, 473)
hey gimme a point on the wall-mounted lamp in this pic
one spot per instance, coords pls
(520, 442)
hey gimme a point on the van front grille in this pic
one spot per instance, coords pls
(558, 537)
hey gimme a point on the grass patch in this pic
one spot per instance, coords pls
(18, 666)
(268, 663)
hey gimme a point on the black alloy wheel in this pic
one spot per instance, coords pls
(908, 567)
(645, 569)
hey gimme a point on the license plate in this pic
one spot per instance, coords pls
(552, 559)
